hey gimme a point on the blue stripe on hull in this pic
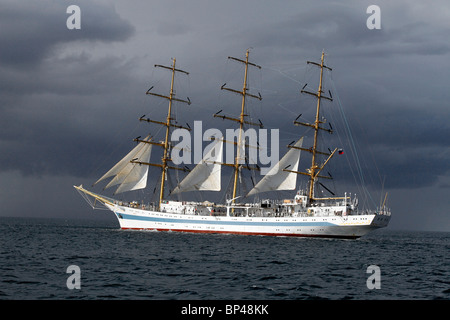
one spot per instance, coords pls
(227, 222)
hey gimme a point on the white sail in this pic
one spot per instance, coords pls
(276, 178)
(130, 176)
(206, 176)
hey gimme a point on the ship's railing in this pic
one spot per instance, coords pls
(258, 209)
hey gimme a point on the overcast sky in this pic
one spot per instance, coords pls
(70, 99)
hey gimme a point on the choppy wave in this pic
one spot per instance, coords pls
(116, 264)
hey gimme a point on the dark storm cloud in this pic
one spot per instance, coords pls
(316, 26)
(391, 81)
(33, 33)
(340, 28)
(69, 99)
(386, 91)
(44, 82)
(30, 30)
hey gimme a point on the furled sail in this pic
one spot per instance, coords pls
(206, 175)
(130, 176)
(276, 178)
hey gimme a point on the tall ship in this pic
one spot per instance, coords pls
(304, 214)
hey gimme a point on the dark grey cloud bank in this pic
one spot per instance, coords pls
(32, 29)
(45, 94)
(70, 99)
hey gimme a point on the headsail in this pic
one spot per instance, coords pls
(206, 175)
(130, 176)
(276, 178)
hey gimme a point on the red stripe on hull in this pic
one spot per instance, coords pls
(253, 233)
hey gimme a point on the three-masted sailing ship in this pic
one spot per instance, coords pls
(303, 215)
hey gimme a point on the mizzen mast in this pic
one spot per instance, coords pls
(315, 169)
(164, 165)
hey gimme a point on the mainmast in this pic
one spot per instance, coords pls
(241, 120)
(164, 165)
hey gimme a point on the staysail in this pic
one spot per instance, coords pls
(206, 176)
(130, 176)
(276, 178)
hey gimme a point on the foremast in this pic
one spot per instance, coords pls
(165, 160)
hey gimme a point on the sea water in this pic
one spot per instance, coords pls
(35, 256)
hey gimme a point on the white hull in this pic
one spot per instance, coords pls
(350, 227)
